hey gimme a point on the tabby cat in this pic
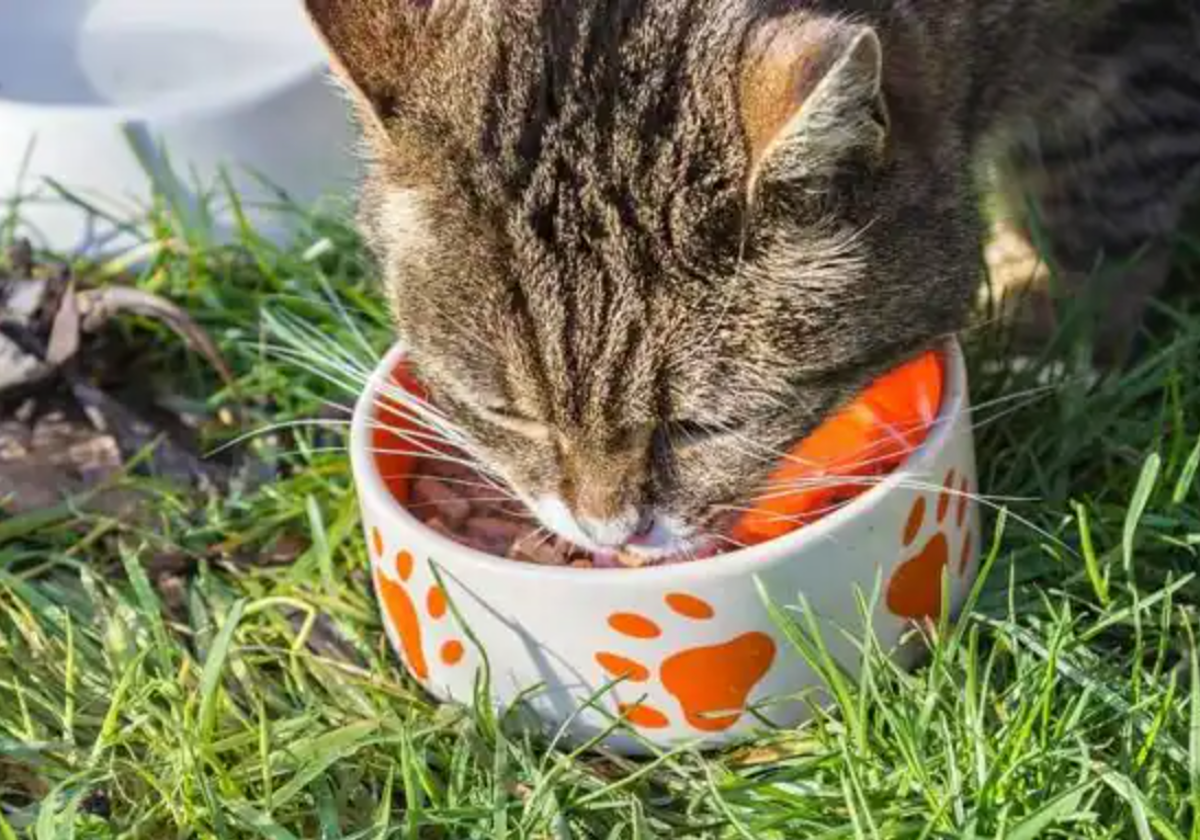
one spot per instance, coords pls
(638, 247)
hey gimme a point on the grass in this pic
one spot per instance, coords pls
(260, 700)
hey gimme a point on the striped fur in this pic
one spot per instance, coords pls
(637, 246)
(1107, 161)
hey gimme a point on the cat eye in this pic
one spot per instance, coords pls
(689, 430)
(503, 415)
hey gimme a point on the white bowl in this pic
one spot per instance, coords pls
(91, 91)
(700, 653)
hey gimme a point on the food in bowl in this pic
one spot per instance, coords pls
(675, 654)
(837, 462)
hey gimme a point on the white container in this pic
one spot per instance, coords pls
(91, 92)
(695, 640)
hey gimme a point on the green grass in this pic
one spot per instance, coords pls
(265, 703)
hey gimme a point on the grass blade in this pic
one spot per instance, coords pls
(151, 611)
(325, 751)
(210, 679)
(1091, 563)
(260, 822)
(1137, 507)
(1061, 806)
(1144, 813)
(1194, 723)
(1187, 476)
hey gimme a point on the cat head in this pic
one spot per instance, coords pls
(637, 250)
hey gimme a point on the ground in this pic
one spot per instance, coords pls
(211, 664)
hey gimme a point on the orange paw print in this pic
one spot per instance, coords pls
(711, 684)
(403, 612)
(915, 590)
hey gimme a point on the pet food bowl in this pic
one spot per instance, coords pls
(683, 654)
(115, 100)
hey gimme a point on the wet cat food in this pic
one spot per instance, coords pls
(465, 506)
(840, 460)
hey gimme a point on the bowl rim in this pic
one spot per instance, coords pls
(370, 486)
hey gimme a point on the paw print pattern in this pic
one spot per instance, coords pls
(711, 684)
(915, 589)
(403, 612)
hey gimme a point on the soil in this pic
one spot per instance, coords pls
(77, 403)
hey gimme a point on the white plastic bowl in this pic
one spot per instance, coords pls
(695, 639)
(92, 90)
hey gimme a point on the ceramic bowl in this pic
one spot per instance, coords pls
(112, 99)
(684, 654)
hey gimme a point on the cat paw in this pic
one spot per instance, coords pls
(1018, 292)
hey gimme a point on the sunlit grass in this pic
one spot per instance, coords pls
(261, 700)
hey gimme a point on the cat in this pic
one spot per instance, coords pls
(638, 248)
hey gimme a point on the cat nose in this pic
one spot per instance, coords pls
(617, 531)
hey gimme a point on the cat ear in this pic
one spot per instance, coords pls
(369, 43)
(812, 95)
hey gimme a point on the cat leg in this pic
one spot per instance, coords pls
(1034, 295)
(1018, 291)
(1104, 255)
(1102, 186)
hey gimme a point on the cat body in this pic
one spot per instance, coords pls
(639, 248)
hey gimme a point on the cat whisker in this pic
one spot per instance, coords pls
(351, 370)
(327, 361)
(337, 406)
(403, 413)
(350, 381)
(408, 433)
(339, 368)
(441, 479)
(922, 487)
(898, 432)
(425, 455)
(421, 430)
(344, 315)
(998, 416)
(316, 422)
(392, 398)
(1016, 517)
(724, 538)
(833, 482)
(796, 519)
(315, 450)
(302, 335)
(267, 429)
(394, 390)
(421, 505)
(536, 533)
